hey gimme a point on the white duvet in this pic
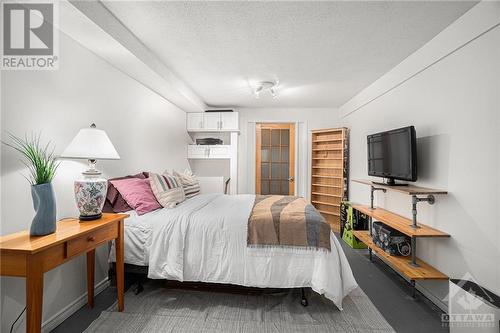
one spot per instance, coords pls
(205, 239)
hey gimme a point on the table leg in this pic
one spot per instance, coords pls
(120, 282)
(90, 277)
(34, 294)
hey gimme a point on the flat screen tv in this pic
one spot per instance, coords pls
(393, 155)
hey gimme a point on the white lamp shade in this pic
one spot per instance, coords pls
(91, 144)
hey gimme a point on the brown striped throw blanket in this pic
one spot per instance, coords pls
(286, 221)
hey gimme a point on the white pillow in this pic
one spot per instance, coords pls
(189, 183)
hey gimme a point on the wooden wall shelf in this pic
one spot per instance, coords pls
(406, 189)
(330, 169)
(399, 222)
(424, 271)
(414, 269)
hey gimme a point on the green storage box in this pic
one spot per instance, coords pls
(347, 226)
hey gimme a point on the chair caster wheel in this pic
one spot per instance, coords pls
(303, 302)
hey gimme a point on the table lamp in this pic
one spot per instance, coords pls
(91, 144)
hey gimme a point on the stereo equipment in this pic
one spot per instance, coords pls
(209, 141)
(390, 240)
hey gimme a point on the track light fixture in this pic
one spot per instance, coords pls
(266, 86)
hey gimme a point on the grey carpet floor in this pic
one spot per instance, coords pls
(162, 309)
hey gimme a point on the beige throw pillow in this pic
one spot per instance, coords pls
(189, 183)
(167, 189)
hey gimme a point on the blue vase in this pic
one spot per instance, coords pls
(44, 202)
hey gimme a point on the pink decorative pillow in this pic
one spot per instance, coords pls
(114, 200)
(138, 194)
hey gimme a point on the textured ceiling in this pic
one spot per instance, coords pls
(323, 53)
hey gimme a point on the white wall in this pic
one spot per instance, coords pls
(147, 131)
(306, 120)
(453, 100)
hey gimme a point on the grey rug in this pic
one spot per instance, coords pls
(160, 309)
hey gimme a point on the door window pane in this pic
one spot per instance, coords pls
(284, 170)
(275, 187)
(285, 137)
(266, 137)
(284, 187)
(264, 155)
(264, 187)
(275, 154)
(264, 171)
(275, 137)
(284, 154)
(275, 170)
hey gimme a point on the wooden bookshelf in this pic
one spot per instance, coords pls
(423, 271)
(399, 222)
(329, 172)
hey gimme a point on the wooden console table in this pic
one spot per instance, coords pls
(30, 257)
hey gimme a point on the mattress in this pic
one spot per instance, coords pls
(205, 239)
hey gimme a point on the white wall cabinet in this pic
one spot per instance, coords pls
(197, 151)
(223, 125)
(209, 152)
(194, 121)
(219, 151)
(212, 122)
(229, 121)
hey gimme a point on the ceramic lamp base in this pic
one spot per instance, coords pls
(90, 217)
(90, 194)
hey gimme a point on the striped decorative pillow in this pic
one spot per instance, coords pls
(189, 183)
(167, 189)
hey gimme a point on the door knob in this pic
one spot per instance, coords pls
(291, 179)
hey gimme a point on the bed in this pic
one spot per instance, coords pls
(204, 239)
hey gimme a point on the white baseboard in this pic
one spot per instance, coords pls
(74, 306)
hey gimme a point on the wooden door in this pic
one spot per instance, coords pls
(275, 159)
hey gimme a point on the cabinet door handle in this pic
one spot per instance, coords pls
(201, 124)
(221, 124)
(90, 238)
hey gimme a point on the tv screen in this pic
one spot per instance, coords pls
(393, 154)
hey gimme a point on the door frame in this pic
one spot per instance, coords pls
(292, 171)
